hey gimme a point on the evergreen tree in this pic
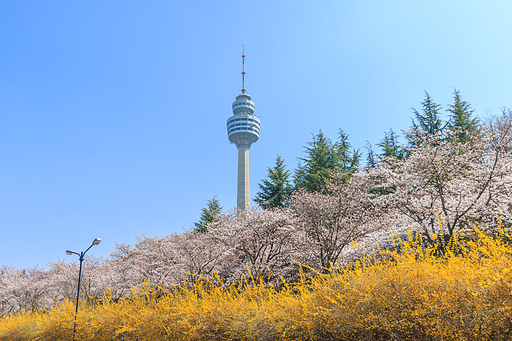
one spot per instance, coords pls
(317, 164)
(299, 176)
(371, 157)
(209, 214)
(390, 146)
(276, 189)
(324, 157)
(460, 121)
(348, 159)
(428, 122)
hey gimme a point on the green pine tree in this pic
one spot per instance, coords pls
(348, 157)
(371, 157)
(209, 214)
(461, 122)
(322, 159)
(390, 146)
(315, 166)
(275, 190)
(428, 122)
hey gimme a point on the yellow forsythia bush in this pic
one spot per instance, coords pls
(460, 291)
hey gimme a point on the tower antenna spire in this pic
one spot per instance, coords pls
(243, 69)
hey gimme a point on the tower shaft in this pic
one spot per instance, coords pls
(243, 199)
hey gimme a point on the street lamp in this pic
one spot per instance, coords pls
(81, 255)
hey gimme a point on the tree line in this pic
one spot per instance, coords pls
(323, 157)
(447, 178)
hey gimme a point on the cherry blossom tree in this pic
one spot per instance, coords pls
(151, 258)
(200, 254)
(346, 210)
(24, 289)
(263, 242)
(459, 183)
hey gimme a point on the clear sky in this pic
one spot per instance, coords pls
(113, 113)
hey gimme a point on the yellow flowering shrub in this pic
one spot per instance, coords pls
(459, 291)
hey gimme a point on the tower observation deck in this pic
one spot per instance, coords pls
(243, 130)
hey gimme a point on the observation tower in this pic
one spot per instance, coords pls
(243, 131)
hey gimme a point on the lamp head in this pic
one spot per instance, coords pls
(96, 241)
(69, 252)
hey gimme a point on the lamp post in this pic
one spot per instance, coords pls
(81, 255)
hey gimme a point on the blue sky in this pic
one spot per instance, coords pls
(112, 114)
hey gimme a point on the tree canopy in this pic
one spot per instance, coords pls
(275, 190)
(461, 122)
(323, 157)
(209, 214)
(428, 122)
(390, 146)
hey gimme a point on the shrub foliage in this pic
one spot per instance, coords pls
(411, 293)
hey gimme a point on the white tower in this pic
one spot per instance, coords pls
(243, 130)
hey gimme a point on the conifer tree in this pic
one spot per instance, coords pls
(371, 157)
(348, 157)
(275, 190)
(322, 159)
(209, 214)
(428, 122)
(317, 164)
(390, 146)
(460, 121)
